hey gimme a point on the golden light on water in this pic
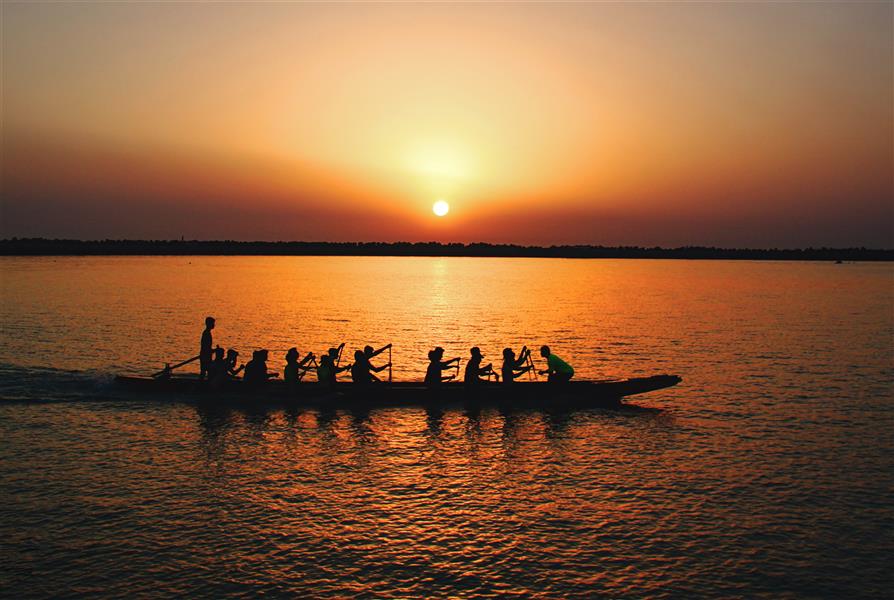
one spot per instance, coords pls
(440, 208)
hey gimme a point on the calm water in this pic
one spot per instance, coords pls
(768, 472)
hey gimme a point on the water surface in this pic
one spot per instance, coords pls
(767, 472)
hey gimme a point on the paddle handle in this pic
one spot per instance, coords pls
(177, 366)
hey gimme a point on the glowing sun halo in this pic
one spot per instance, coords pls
(440, 208)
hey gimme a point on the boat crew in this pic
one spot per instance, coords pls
(557, 371)
(205, 352)
(256, 369)
(513, 367)
(295, 370)
(475, 373)
(436, 366)
(362, 370)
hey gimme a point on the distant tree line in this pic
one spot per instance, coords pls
(60, 247)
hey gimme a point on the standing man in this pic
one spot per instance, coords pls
(558, 370)
(205, 352)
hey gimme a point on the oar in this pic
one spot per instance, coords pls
(533, 370)
(389, 363)
(341, 349)
(313, 364)
(169, 368)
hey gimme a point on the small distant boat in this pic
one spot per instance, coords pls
(527, 394)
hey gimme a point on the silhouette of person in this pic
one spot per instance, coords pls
(513, 367)
(557, 371)
(295, 370)
(328, 370)
(256, 369)
(217, 372)
(362, 370)
(205, 352)
(232, 359)
(475, 373)
(433, 374)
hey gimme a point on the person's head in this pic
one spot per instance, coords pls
(209, 322)
(439, 352)
(368, 350)
(544, 351)
(292, 355)
(231, 353)
(263, 354)
(218, 353)
(508, 353)
(359, 355)
(476, 352)
(431, 355)
(325, 360)
(333, 352)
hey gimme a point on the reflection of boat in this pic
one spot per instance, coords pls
(581, 394)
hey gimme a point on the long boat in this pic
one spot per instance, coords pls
(527, 394)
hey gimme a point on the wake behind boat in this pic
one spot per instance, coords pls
(573, 394)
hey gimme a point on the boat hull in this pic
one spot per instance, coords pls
(576, 394)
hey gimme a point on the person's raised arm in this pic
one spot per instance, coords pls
(379, 351)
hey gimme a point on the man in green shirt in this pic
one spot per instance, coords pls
(558, 370)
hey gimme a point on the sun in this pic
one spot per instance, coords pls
(440, 208)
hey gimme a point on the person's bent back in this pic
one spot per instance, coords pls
(558, 371)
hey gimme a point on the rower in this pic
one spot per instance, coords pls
(232, 359)
(295, 370)
(475, 373)
(256, 369)
(328, 370)
(436, 366)
(513, 367)
(205, 352)
(362, 370)
(217, 372)
(558, 370)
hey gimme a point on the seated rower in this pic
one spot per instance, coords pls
(256, 369)
(217, 368)
(335, 353)
(232, 359)
(475, 373)
(557, 371)
(327, 370)
(362, 370)
(433, 374)
(295, 370)
(513, 367)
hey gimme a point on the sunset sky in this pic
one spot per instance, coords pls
(764, 124)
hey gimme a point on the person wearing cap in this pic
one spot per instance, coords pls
(475, 373)
(295, 370)
(433, 374)
(205, 349)
(557, 371)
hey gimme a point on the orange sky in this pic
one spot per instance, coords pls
(726, 124)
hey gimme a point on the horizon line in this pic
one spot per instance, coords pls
(38, 246)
